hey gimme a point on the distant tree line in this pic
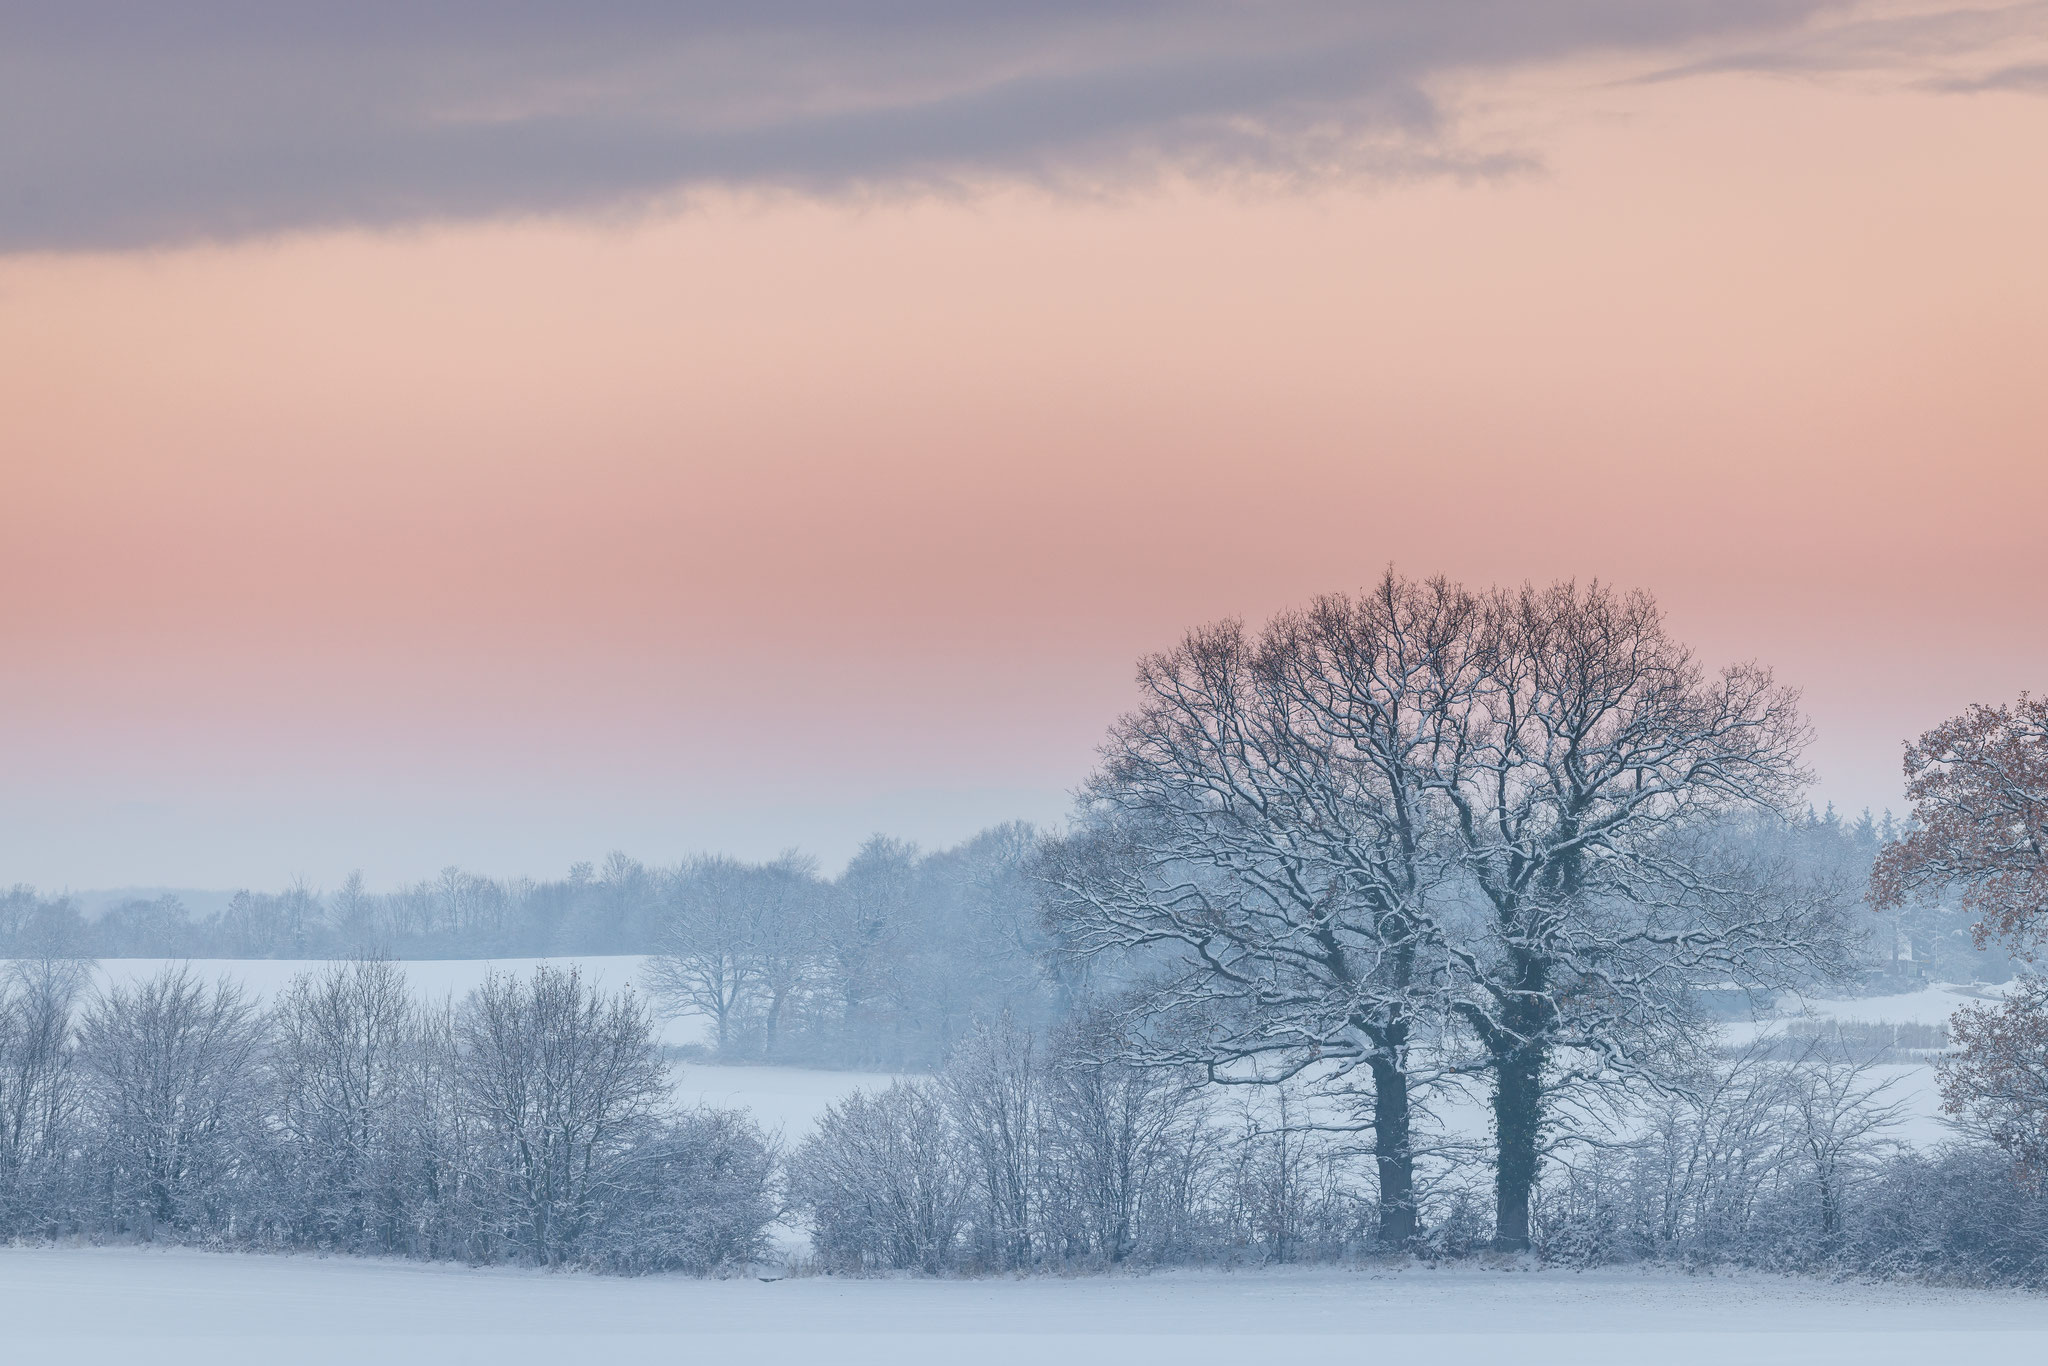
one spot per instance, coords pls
(884, 965)
(887, 965)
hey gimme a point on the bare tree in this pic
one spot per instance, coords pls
(38, 1088)
(881, 1181)
(1266, 820)
(1588, 771)
(1841, 1111)
(299, 918)
(707, 960)
(144, 928)
(170, 1079)
(916, 947)
(1712, 1148)
(354, 911)
(739, 944)
(338, 1075)
(561, 1083)
(865, 920)
(438, 1146)
(1119, 1136)
(626, 894)
(32, 926)
(706, 1192)
(994, 1092)
(786, 940)
(1512, 809)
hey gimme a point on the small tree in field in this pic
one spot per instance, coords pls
(1979, 786)
(707, 962)
(338, 1069)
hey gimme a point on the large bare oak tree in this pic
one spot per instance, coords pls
(1418, 809)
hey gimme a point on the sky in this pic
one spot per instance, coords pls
(499, 434)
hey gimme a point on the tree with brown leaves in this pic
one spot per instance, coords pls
(1997, 1080)
(1979, 786)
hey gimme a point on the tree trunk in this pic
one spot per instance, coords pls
(1830, 1208)
(1391, 1118)
(1518, 1125)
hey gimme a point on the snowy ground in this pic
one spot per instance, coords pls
(89, 1305)
(787, 1100)
(1932, 1005)
(1912, 1086)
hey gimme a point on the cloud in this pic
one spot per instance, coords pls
(1939, 49)
(2029, 77)
(137, 123)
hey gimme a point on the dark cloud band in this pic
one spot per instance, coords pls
(135, 124)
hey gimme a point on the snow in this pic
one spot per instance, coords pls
(1913, 1086)
(1930, 1005)
(89, 1305)
(784, 1099)
(1916, 1091)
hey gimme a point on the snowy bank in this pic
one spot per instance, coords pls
(90, 1305)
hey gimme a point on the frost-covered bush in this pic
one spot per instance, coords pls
(531, 1123)
(883, 1182)
(1963, 1214)
(702, 1194)
(173, 1132)
(1028, 1154)
(39, 1096)
(1128, 1166)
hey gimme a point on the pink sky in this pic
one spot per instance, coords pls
(767, 520)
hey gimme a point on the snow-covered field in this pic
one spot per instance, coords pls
(782, 1099)
(1911, 1086)
(90, 1305)
(1930, 1005)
